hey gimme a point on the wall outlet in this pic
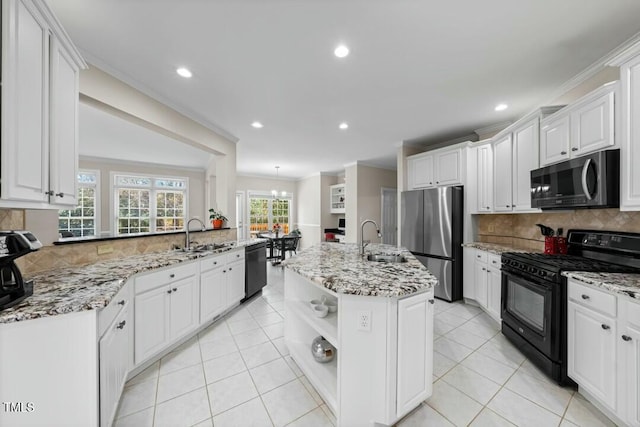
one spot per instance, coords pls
(492, 228)
(364, 320)
(105, 249)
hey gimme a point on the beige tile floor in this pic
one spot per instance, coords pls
(238, 372)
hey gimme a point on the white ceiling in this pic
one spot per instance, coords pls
(107, 136)
(417, 69)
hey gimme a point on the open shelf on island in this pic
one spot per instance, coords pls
(324, 376)
(325, 326)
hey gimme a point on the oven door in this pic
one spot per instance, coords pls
(532, 309)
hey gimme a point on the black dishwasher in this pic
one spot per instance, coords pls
(256, 269)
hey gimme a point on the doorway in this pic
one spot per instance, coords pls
(240, 214)
(389, 216)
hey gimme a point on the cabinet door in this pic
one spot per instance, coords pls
(235, 282)
(481, 282)
(631, 347)
(184, 307)
(502, 175)
(151, 322)
(63, 137)
(592, 352)
(213, 294)
(554, 140)
(415, 351)
(592, 125)
(630, 149)
(526, 149)
(468, 273)
(494, 291)
(448, 167)
(421, 172)
(485, 178)
(114, 365)
(25, 100)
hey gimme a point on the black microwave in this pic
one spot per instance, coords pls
(591, 181)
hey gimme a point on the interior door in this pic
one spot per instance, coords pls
(389, 216)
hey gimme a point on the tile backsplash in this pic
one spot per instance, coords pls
(79, 254)
(520, 230)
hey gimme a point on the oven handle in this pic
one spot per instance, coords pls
(518, 275)
(585, 187)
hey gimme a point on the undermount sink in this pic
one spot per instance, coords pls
(202, 248)
(386, 258)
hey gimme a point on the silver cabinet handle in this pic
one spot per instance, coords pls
(169, 291)
(574, 149)
(478, 256)
(626, 337)
(61, 195)
(432, 301)
(175, 289)
(508, 206)
(585, 188)
(484, 269)
(215, 262)
(121, 324)
(431, 183)
(494, 262)
(224, 271)
(585, 296)
(237, 255)
(488, 208)
(605, 327)
(513, 206)
(563, 152)
(437, 182)
(49, 193)
(121, 302)
(172, 275)
(230, 268)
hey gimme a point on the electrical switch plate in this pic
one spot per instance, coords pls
(364, 320)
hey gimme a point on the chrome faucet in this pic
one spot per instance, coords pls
(362, 244)
(187, 243)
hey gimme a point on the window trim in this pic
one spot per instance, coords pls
(97, 208)
(113, 187)
(268, 195)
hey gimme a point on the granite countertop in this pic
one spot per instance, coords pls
(339, 268)
(91, 287)
(622, 283)
(495, 248)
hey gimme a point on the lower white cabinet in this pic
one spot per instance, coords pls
(221, 283)
(481, 279)
(485, 282)
(603, 332)
(164, 310)
(235, 281)
(468, 273)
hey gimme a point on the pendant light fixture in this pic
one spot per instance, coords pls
(275, 193)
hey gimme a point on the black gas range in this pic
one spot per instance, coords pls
(534, 292)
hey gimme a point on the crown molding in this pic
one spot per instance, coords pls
(496, 127)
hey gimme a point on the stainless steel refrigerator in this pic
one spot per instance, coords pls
(432, 222)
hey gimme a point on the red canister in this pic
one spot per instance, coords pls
(550, 245)
(561, 245)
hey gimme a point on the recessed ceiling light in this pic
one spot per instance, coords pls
(257, 125)
(341, 51)
(343, 126)
(501, 107)
(184, 72)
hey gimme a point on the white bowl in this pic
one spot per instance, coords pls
(331, 305)
(320, 310)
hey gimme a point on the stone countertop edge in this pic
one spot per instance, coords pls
(496, 248)
(339, 268)
(622, 283)
(92, 287)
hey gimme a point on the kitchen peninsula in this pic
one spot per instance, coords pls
(382, 330)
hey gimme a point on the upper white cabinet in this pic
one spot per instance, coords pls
(436, 168)
(40, 69)
(337, 196)
(502, 174)
(583, 127)
(484, 174)
(630, 146)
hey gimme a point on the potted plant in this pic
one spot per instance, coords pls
(217, 218)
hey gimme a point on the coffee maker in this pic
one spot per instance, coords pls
(13, 245)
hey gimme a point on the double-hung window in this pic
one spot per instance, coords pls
(82, 221)
(148, 204)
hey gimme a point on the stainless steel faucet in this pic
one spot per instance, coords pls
(362, 244)
(187, 243)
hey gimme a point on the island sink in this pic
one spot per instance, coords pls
(386, 258)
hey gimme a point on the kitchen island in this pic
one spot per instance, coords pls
(382, 330)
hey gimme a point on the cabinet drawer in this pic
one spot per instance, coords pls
(209, 263)
(481, 256)
(107, 314)
(494, 261)
(633, 313)
(164, 276)
(589, 297)
(235, 256)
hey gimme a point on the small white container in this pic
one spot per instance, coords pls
(320, 310)
(331, 305)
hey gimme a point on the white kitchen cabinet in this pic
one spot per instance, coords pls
(484, 181)
(337, 199)
(39, 119)
(481, 280)
(213, 288)
(436, 168)
(526, 151)
(629, 379)
(468, 273)
(494, 287)
(502, 172)
(483, 276)
(630, 146)
(415, 351)
(166, 308)
(585, 126)
(421, 171)
(235, 281)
